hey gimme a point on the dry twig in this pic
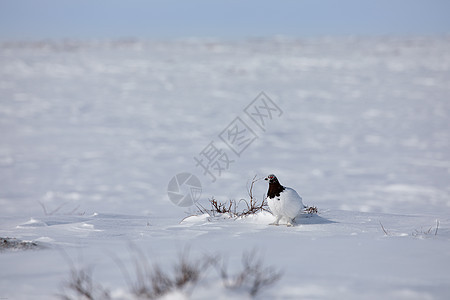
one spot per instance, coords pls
(254, 276)
(384, 230)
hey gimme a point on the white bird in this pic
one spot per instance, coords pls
(284, 202)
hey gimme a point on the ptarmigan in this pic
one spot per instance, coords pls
(284, 202)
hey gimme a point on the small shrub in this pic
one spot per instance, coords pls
(311, 210)
(417, 233)
(73, 211)
(253, 277)
(154, 282)
(82, 286)
(430, 231)
(15, 244)
(252, 205)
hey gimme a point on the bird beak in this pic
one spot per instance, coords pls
(266, 178)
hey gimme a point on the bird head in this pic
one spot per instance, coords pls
(271, 178)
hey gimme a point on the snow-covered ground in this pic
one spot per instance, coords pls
(93, 131)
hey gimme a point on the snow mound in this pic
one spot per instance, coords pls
(32, 223)
(261, 218)
(203, 218)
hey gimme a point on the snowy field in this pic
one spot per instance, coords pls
(93, 131)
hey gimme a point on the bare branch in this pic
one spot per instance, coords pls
(384, 230)
(254, 275)
(437, 227)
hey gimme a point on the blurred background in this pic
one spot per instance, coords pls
(26, 19)
(102, 103)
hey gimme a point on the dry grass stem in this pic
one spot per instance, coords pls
(253, 277)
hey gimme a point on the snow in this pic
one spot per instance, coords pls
(93, 131)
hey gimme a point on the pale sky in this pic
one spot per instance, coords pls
(40, 19)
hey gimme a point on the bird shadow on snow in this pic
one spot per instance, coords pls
(311, 219)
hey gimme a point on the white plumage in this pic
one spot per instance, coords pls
(284, 202)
